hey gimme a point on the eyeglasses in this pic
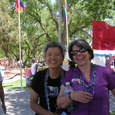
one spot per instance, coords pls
(74, 52)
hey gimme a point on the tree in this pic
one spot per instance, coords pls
(7, 31)
(40, 23)
(84, 12)
(80, 16)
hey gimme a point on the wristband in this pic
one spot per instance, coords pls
(69, 96)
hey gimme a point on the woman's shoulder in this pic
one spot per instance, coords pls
(70, 72)
(99, 67)
(42, 71)
(104, 69)
(40, 74)
(68, 75)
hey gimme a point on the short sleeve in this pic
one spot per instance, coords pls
(111, 78)
(1, 77)
(38, 81)
(35, 83)
(66, 78)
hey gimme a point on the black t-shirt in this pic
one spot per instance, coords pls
(53, 87)
(53, 91)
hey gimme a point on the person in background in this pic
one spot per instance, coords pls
(46, 83)
(108, 60)
(2, 103)
(27, 76)
(34, 66)
(90, 83)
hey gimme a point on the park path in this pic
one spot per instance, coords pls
(112, 102)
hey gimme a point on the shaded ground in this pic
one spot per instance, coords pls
(112, 103)
(17, 102)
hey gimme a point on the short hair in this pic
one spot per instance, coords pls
(81, 44)
(33, 60)
(55, 44)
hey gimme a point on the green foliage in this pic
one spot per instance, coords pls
(84, 12)
(98, 9)
(40, 24)
(8, 33)
(1, 54)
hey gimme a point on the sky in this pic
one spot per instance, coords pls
(52, 1)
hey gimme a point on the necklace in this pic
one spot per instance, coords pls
(46, 88)
(46, 91)
(89, 87)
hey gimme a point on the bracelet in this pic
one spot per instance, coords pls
(69, 96)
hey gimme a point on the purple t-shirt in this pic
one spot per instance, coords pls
(104, 81)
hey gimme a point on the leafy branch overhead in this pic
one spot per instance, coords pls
(41, 23)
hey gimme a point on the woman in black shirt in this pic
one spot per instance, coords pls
(46, 83)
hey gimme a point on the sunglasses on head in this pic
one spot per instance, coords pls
(74, 52)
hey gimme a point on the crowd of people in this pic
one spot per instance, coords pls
(83, 89)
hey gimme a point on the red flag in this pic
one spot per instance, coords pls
(103, 36)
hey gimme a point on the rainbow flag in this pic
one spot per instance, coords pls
(64, 12)
(20, 6)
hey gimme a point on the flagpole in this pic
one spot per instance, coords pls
(66, 22)
(66, 28)
(20, 55)
(59, 21)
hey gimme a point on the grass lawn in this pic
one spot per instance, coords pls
(14, 85)
(112, 113)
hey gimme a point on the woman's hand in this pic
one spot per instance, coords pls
(63, 101)
(81, 96)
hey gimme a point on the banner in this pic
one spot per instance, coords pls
(104, 52)
(103, 36)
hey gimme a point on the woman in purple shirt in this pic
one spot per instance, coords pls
(90, 83)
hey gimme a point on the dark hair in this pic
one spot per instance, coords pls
(55, 44)
(81, 44)
(33, 60)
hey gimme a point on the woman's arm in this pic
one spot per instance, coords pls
(81, 96)
(63, 101)
(35, 106)
(78, 96)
